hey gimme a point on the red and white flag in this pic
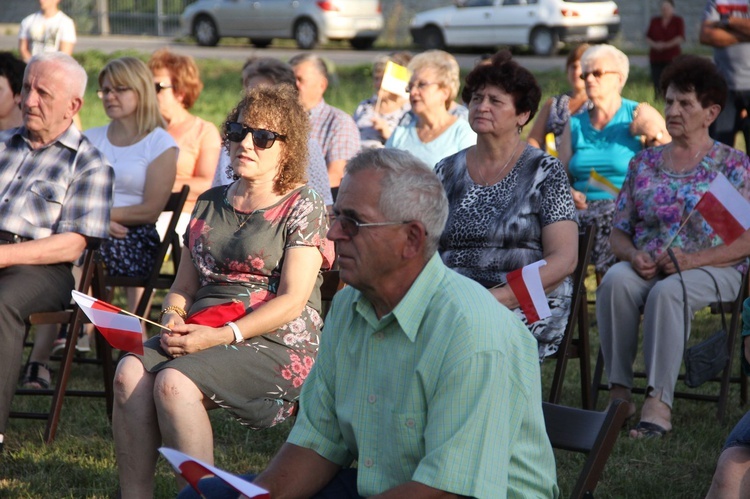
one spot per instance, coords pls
(725, 210)
(726, 7)
(120, 330)
(192, 470)
(526, 284)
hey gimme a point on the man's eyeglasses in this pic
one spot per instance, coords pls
(236, 132)
(350, 227)
(597, 74)
(104, 92)
(161, 86)
(419, 86)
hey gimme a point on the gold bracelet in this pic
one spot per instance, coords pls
(173, 308)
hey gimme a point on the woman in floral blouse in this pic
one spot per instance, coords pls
(244, 308)
(656, 211)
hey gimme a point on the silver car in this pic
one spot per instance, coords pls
(308, 22)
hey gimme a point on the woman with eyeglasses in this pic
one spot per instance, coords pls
(431, 131)
(144, 158)
(244, 307)
(178, 86)
(509, 203)
(596, 146)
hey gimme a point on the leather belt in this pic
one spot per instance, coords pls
(10, 238)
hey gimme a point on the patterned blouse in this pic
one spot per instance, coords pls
(654, 202)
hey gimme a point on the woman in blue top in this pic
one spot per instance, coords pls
(435, 133)
(604, 139)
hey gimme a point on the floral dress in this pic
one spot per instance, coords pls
(239, 257)
(492, 230)
(654, 202)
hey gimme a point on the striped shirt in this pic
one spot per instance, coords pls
(65, 186)
(335, 131)
(445, 390)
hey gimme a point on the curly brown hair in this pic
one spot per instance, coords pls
(278, 109)
(183, 71)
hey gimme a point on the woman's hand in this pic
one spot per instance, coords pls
(685, 260)
(185, 339)
(643, 264)
(382, 127)
(649, 123)
(579, 198)
(117, 230)
(505, 296)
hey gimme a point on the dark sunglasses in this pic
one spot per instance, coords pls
(350, 227)
(597, 74)
(160, 86)
(236, 132)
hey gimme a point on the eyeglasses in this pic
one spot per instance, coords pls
(160, 86)
(350, 227)
(104, 92)
(597, 74)
(419, 86)
(236, 132)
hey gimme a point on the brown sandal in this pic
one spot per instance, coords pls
(34, 378)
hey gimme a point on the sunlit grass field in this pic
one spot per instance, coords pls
(81, 463)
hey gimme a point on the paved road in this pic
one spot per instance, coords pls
(339, 57)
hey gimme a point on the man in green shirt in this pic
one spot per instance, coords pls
(423, 378)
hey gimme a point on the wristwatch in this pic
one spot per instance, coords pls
(237, 333)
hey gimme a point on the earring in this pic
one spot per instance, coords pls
(519, 129)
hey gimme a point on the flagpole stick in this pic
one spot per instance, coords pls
(144, 319)
(377, 103)
(679, 229)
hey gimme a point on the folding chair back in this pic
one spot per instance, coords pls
(588, 432)
(156, 279)
(571, 348)
(74, 318)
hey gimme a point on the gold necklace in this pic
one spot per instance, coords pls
(674, 172)
(242, 223)
(494, 179)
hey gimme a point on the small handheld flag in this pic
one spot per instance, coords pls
(120, 329)
(526, 284)
(724, 209)
(602, 183)
(192, 470)
(395, 79)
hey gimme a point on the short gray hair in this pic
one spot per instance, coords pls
(445, 66)
(75, 72)
(410, 190)
(610, 53)
(317, 61)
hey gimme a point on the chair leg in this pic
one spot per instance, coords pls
(598, 371)
(584, 353)
(62, 382)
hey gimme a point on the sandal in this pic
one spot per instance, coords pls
(648, 431)
(34, 378)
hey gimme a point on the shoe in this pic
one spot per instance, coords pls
(82, 345)
(648, 431)
(37, 376)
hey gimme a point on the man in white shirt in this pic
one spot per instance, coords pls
(48, 30)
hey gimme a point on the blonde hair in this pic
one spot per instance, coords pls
(445, 67)
(134, 74)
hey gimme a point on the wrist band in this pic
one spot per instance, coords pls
(173, 308)
(237, 333)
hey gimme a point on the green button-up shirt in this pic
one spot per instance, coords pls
(445, 390)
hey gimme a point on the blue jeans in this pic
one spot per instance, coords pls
(740, 435)
(343, 486)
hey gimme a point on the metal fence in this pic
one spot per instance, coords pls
(126, 17)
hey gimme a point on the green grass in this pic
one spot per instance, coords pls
(81, 463)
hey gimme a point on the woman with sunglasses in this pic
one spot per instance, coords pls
(603, 140)
(244, 307)
(178, 86)
(144, 158)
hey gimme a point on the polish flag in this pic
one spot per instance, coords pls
(192, 470)
(725, 210)
(527, 286)
(725, 7)
(121, 331)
